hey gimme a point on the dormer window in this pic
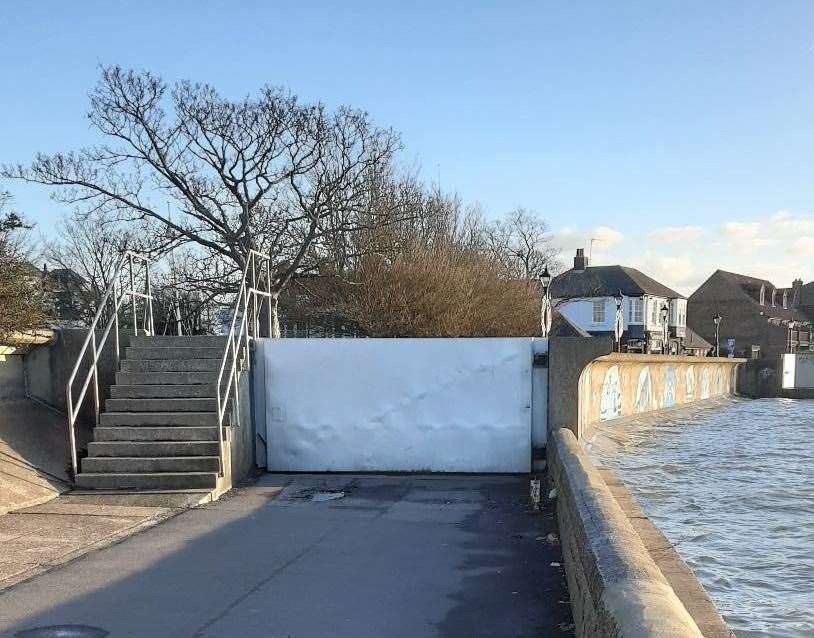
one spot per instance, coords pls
(786, 299)
(763, 295)
(774, 298)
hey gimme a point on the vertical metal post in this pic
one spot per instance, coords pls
(71, 433)
(150, 296)
(254, 296)
(95, 375)
(133, 295)
(116, 323)
(268, 290)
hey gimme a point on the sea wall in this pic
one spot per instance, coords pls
(621, 384)
(616, 588)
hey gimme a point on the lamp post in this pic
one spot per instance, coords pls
(618, 323)
(545, 303)
(716, 319)
(665, 311)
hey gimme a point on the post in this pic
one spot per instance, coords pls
(268, 290)
(149, 296)
(716, 319)
(95, 375)
(116, 324)
(133, 294)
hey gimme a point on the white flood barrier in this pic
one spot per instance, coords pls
(408, 405)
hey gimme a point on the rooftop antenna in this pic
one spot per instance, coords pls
(591, 250)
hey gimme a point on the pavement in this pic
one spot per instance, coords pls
(308, 556)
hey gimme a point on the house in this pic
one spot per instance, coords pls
(762, 319)
(588, 295)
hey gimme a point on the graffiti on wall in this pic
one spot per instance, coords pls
(610, 406)
(705, 383)
(669, 398)
(689, 384)
(644, 391)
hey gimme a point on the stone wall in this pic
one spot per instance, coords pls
(615, 587)
(620, 385)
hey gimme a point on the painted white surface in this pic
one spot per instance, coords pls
(539, 397)
(581, 313)
(441, 405)
(788, 361)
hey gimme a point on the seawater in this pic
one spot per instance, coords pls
(732, 487)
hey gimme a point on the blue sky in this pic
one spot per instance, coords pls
(613, 120)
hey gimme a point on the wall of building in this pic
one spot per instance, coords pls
(621, 384)
(438, 405)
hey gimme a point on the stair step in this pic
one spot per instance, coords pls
(174, 352)
(161, 405)
(161, 480)
(166, 378)
(153, 449)
(163, 419)
(198, 341)
(187, 391)
(171, 433)
(171, 365)
(149, 465)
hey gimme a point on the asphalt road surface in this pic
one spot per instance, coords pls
(328, 556)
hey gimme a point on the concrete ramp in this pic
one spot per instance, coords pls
(33, 454)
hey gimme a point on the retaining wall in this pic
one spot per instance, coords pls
(616, 588)
(621, 384)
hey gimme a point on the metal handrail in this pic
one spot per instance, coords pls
(247, 308)
(118, 295)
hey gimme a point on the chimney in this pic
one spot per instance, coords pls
(796, 287)
(580, 261)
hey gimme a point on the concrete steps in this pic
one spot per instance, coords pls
(159, 427)
(155, 481)
(129, 449)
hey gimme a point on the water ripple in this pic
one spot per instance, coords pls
(731, 487)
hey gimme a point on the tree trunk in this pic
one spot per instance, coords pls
(274, 328)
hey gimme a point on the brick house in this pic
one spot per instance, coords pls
(763, 319)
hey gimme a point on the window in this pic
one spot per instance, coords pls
(763, 295)
(599, 312)
(636, 314)
(785, 298)
(654, 312)
(774, 298)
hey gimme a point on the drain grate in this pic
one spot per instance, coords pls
(63, 631)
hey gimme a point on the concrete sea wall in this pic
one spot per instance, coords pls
(620, 384)
(616, 588)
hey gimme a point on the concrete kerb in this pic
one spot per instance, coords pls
(616, 589)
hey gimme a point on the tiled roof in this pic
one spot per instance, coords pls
(607, 281)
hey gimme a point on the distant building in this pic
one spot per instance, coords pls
(587, 296)
(759, 318)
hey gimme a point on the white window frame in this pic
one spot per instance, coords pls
(763, 295)
(636, 310)
(598, 310)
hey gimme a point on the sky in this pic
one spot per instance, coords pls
(676, 134)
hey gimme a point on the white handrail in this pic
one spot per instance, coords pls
(118, 296)
(246, 306)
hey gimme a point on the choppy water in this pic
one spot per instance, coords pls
(733, 488)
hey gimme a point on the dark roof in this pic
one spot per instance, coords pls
(607, 281)
(694, 340)
(751, 288)
(561, 326)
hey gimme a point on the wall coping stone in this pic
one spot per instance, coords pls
(616, 589)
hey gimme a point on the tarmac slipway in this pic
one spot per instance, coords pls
(307, 556)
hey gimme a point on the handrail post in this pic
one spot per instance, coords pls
(95, 369)
(116, 325)
(268, 290)
(71, 433)
(133, 295)
(150, 296)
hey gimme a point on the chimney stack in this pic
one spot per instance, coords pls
(796, 287)
(580, 261)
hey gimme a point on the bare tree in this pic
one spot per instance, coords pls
(521, 243)
(268, 173)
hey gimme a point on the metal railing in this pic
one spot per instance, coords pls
(123, 285)
(247, 308)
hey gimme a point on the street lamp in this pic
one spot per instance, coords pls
(665, 311)
(545, 303)
(618, 323)
(716, 319)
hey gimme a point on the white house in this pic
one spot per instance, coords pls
(588, 295)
